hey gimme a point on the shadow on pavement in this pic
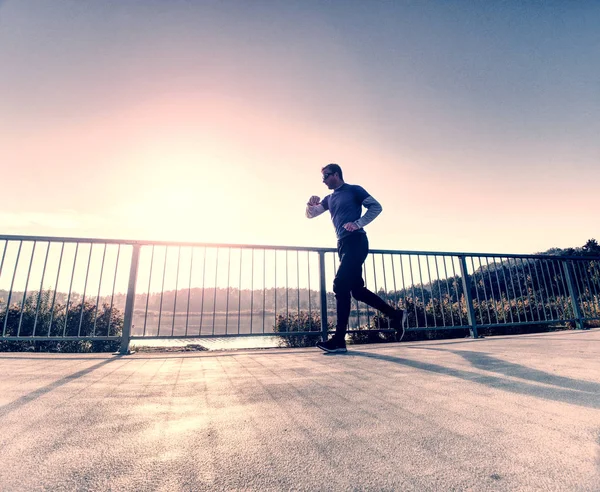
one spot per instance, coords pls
(23, 400)
(493, 364)
(589, 397)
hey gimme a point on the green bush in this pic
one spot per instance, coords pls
(40, 316)
(299, 322)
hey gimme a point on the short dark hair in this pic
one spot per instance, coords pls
(334, 168)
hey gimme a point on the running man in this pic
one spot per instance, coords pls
(345, 205)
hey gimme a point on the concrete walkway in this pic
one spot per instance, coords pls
(502, 413)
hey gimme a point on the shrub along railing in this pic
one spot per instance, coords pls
(108, 292)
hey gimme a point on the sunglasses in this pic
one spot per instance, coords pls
(326, 175)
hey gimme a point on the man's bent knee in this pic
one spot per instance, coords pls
(340, 288)
(359, 293)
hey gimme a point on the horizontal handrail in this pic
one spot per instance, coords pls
(150, 242)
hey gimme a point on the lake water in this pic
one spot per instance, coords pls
(234, 343)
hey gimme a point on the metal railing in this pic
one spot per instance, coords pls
(93, 289)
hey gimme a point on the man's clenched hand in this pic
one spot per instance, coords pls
(313, 200)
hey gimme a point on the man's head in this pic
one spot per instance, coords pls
(332, 176)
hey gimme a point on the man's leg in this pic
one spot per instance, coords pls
(361, 293)
(348, 274)
(343, 300)
(349, 279)
(353, 252)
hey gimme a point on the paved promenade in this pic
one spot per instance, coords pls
(501, 413)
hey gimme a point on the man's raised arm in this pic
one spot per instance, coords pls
(314, 207)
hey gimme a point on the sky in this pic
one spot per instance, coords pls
(475, 124)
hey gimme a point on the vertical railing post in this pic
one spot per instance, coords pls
(323, 292)
(129, 303)
(573, 294)
(466, 282)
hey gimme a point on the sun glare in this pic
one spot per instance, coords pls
(174, 201)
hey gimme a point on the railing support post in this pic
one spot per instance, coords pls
(129, 303)
(573, 295)
(466, 282)
(323, 292)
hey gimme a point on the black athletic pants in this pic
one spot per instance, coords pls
(348, 282)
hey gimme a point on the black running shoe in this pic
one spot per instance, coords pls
(332, 346)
